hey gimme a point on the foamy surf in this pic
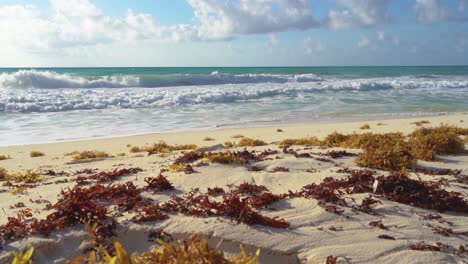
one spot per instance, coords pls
(129, 101)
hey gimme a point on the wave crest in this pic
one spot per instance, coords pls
(53, 80)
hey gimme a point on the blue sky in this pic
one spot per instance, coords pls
(65, 33)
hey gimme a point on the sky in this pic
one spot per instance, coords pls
(97, 33)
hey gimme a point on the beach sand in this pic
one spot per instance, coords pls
(313, 234)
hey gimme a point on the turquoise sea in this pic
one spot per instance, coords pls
(51, 104)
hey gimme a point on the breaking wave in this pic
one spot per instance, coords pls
(44, 91)
(53, 80)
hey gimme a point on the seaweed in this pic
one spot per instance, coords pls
(310, 141)
(436, 217)
(367, 205)
(113, 175)
(86, 206)
(427, 142)
(93, 154)
(386, 152)
(441, 230)
(232, 206)
(335, 139)
(437, 171)
(189, 157)
(158, 184)
(422, 246)
(228, 157)
(330, 208)
(208, 139)
(3, 174)
(248, 188)
(334, 154)
(264, 199)
(54, 173)
(378, 224)
(255, 168)
(420, 123)
(34, 154)
(331, 260)
(29, 176)
(4, 157)
(239, 210)
(237, 136)
(215, 191)
(280, 169)
(279, 130)
(149, 214)
(16, 227)
(162, 147)
(186, 168)
(250, 142)
(386, 237)
(190, 250)
(365, 126)
(401, 189)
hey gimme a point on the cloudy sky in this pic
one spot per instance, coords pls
(233, 32)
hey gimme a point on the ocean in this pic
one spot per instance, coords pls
(39, 105)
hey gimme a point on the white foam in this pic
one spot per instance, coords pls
(41, 91)
(51, 80)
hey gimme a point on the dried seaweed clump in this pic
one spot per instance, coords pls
(4, 157)
(93, 154)
(162, 147)
(34, 154)
(16, 227)
(420, 123)
(386, 152)
(87, 206)
(29, 176)
(250, 142)
(229, 157)
(248, 188)
(189, 250)
(427, 142)
(310, 141)
(428, 195)
(3, 174)
(334, 139)
(186, 168)
(365, 126)
(158, 184)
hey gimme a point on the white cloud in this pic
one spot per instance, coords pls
(74, 23)
(224, 19)
(430, 11)
(363, 42)
(313, 46)
(77, 8)
(358, 13)
(381, 35)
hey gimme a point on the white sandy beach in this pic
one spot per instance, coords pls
(313, 234)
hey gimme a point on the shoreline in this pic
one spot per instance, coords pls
(319, 122)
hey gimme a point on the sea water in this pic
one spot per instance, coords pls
(54, 104)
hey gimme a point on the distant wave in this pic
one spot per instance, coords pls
(53, 80)
(90, 97)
